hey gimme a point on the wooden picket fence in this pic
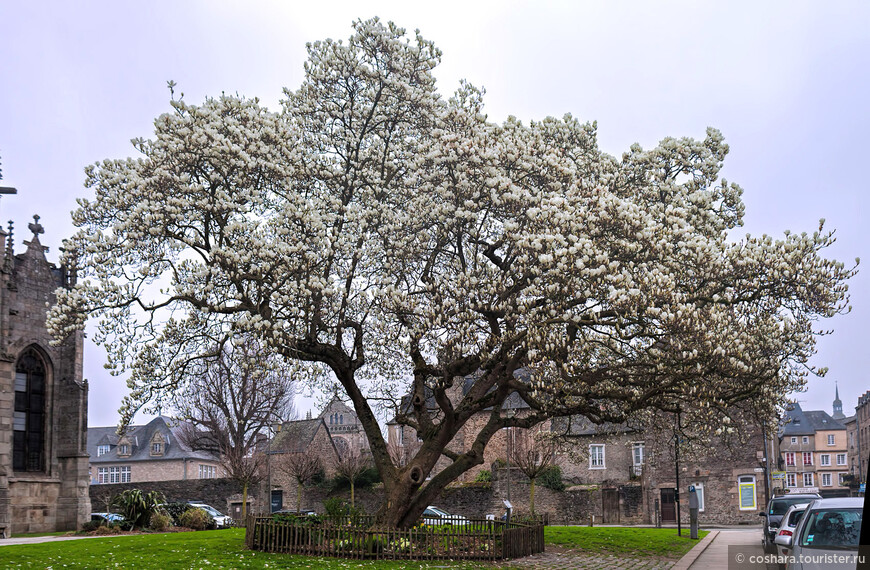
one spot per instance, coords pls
(475, 540)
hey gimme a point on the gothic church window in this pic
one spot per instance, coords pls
(28, 424)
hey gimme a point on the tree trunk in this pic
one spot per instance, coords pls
(298, 497)
(532, 496)
(351, 492)
(244, 500)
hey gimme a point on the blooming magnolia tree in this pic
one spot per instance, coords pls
(375, 230)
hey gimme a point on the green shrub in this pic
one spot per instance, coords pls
(484, 476)
(175, 510)
(160, 522)
(137, 507)
(196, 519)
(91, 526)
(552, 478)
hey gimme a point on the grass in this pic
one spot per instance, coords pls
(638, 542)
(183, 550)
(225, 549)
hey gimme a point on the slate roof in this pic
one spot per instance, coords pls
(296, 436)
(581, 425)
(140, 441)
(799, 422)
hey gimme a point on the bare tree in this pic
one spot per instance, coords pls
(532, 452)
(302, 467)
(351, 466)
(230, 400)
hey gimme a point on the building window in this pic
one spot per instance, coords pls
(805, 439)
(825, 459)
(840, 479)
(794, 440)
(102, 450)
(596, 457)
(826, 480)
(831, 439)
(638, 452)
(789, 458)
(207, 471)
(746, 492)
(124, 449)
(791, 479)
(841, 459)
(113, 475)
(808, 458)
(156, 448)
(808, 479)
(28, 419)
(401, 435)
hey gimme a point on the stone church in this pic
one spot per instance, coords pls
(43, 399)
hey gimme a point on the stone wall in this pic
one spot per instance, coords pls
(214, 492)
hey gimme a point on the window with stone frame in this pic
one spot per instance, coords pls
(827, 480)
(825, 459)
(808, 458)
(596, 456)
(103, 450)
(28, 419)
(789, 458)
(158, 444)
(207, 472)
(808, 479)
(841, 479)
(831, 439)
(841, 459)
(791, 479)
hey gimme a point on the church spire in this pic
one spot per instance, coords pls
(838, 405)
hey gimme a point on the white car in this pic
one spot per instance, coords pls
(827, 535)
(787, 527)
(435, 517)
(220, 519)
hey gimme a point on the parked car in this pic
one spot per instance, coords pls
(787, 526)
(221, 520)
(302, 513)
(435, 516)
(827, 535)
(107, 518)
(773, 515)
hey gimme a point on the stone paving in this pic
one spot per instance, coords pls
(567, 559)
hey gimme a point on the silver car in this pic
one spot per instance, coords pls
(787, 526)
(827, 535)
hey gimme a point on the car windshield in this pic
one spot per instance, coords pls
(432, 511)
(210, 510)
(832, 529)
(780, 506)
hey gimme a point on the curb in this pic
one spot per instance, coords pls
(689, 558)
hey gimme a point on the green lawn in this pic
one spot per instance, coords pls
(662, 542)
(208, 549)
(225, 549)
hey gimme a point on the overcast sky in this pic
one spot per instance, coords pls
(788, 83)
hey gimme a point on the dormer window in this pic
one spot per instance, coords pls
(102, 450)
(158, 444)
(124, 449)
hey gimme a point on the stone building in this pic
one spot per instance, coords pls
(862, 415)
(155, 451)
(309, 437)
(43, 399)
(814, 452)
(344, 426)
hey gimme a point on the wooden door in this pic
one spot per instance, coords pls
(669, 505)
(610, 498)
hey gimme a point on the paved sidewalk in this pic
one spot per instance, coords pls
(716, 553)
(38, 539)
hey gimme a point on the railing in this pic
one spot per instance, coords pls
(473, 540)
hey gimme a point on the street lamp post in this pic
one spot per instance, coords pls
(275, 429)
